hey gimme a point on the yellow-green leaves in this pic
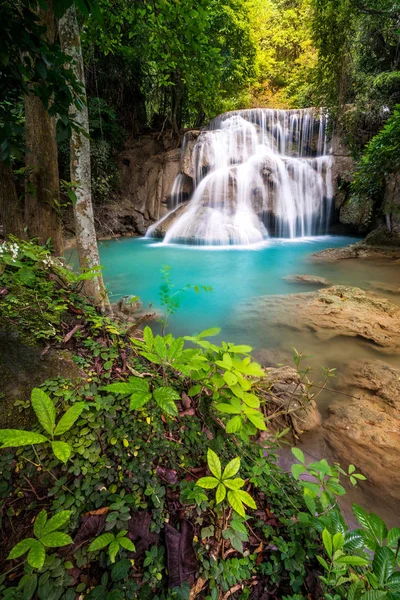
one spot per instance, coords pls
(13, 438)
(44, 408)
(47, 537)
(139, 391)
(69, 418)
(227, 486)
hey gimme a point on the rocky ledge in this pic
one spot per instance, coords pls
(335, 311)
(359, 250)
(366, 430)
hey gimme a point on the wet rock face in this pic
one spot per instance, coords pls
(334, 311)
(164, 225)
(366, 430)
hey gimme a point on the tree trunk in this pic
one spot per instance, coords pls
(42, 202)
(10, 209)
(80, 168)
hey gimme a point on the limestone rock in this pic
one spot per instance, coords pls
(164, 225)
(334, 311)
(366, 431)
(313, 279)
(360, 250)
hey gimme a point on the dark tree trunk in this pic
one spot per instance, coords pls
(42, 215)
(11, 215)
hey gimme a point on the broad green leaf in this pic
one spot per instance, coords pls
(323, 562)
(139, 399)
(40, 522)
(36, 555)
(119, 388)
(236, 503)
(166, 399)
(208, 483)
(327, 539)
(231, 468)
(220, 494)
(57, 521)
(56, 539)
(10, 438)
(299, 455)
(251, 400)
(194, 390)
(230, 378)
(148, 337)
(393, 536)
(384, 564)
(61, 450)
(44, 408)
(228, 408)
(20, 548)
(160, 347)
(69, 418)
(209, 332)
(175, 349)
(338, 541)
(234, 484)
(353, 561)
(214, 464)
(241, 349)
(239, 526)
(374, 595)
(101, 541)
(127, 544)
(355, 589)
(298, 470)
(256, 418)
(113, 550)
(28, 584)
(246, 498)
(353, 541)
(309, 500)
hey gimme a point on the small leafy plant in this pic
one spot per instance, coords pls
(140, 394)
(45, 411)
(46, 536)
(227, 486)
(114, 543)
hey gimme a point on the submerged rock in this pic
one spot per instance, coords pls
(314, 279)
(366, 430)
(335, 311)
(359, 250)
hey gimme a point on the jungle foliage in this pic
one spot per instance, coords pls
(133, 485)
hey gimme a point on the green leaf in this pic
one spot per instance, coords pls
(393, 536)
(113, 550)
(36, 555)
(148, 337)
(56, 539)
(230, 378)
(236, 503)
(139, 399)
(257, 419)
(234, 484)
(40, 522)
(237, 525)
(69, 418)
(251, 400)
(160, 347)
(309, 500)
(12, 438)
(61, 450)
(234, 425)
(338, 541)
(209, 332)
(20, 548)
(245, 498)
(298, 470)
(229, 409)
(127, 544)
(241, 349)
(214, 464)
(28, 584)
(120, 571)
(353, 541)
(57, 521)
(101, 541)
(327, 540)
(194, 390)
(231, 468)
(208, 483)
(175, 349)
(221, 493)
(355, 589)
(374, 595)
(165, 398)
(353, 561)
(384, 564)
(299, 455)
(44, 408)
(323, 562)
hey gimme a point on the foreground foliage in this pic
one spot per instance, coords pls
(124, 510)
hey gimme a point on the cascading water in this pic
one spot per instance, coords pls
(256, 173)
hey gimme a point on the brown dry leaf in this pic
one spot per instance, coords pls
(99, 511)
(186, 400)
(259, 549)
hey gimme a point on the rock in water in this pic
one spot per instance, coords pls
(313, 279)
(335, 311)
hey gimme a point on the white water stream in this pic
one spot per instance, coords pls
(257, 173)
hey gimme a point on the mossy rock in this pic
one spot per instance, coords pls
(22, 367)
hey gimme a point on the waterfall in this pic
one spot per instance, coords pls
(256, 173)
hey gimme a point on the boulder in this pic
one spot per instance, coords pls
(365, 431)
(313, 279)
(360, 250)
(189, 142)
(287, 393)
(169, 220)
(335, 311)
